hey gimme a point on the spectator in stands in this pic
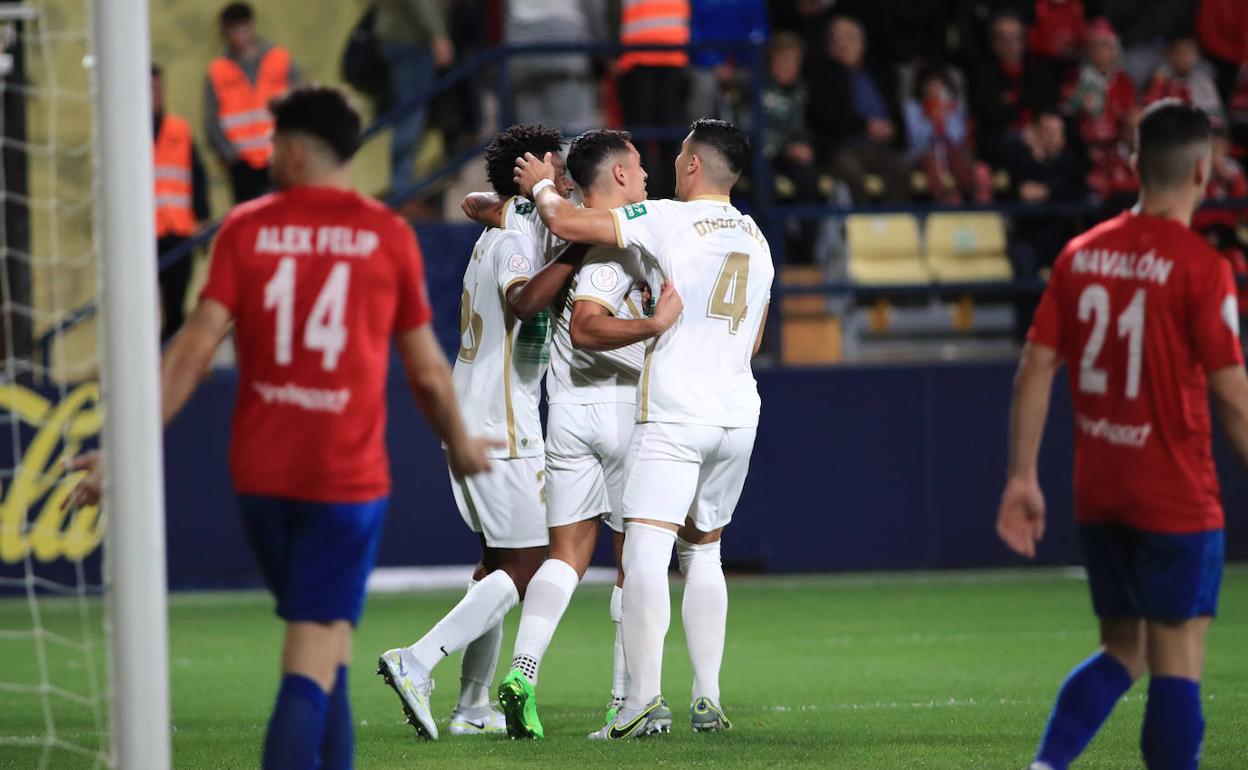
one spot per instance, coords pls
(415, 43)
(937, 132)
(1043, 169)
(654, 85)
(1237, 112)
(855, 117)
(1102, 102)
(1007, 89)
(241, 82)
(786, 138)
(1056, 34)
(714, 74)
(1220, 225)
(1184, 77)
(181, 201)
(1142, 26)
(1222, 26)
(557, 89)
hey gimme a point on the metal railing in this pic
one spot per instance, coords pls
(771, 216)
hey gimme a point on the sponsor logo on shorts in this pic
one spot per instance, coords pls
(604, 278)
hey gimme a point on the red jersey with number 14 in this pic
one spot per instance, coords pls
(318, 280)
(1141, 309)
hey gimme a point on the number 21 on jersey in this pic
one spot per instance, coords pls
(325, 330)
(1094, 307)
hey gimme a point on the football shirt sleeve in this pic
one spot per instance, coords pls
(515, 261)
(222, 283)
(646, 225)
(603, 280)
(1046, 324)
(1215, 318)
(413, 307)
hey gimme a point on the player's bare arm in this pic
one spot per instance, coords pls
(562, 217)
(595, 328)
(189, 356)
(1230, 395)
(484, 208)
(1020, 519)
(531, 297)
(429, 376)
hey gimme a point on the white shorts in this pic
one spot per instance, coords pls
(506, 505)
(686, 472)
(586, 455)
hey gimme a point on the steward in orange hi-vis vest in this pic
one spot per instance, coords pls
(172, 149)
(663, 22)
(243, 110)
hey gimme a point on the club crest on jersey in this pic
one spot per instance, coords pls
(604, 278)
(634, 210)
(518, 263)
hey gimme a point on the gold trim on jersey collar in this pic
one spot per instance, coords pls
(709, 197)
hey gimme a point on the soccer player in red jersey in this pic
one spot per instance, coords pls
(1144, 314)
(315, 280)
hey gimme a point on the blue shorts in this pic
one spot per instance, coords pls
(1138, 574)
(315, 556)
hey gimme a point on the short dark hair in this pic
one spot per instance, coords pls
(512, 143)
(1169, 131)
(321, 112)
(236, 13)
(590, 149)
(727, 140)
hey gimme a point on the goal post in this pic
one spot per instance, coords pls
(130, 361)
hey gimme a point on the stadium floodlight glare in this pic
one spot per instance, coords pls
(130, 361)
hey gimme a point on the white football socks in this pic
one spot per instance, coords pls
(545, 601)
(704, 611)
(647, 609)
(619, 672)
(476, 670)
(481, 609)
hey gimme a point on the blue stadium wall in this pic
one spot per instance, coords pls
(855, 468)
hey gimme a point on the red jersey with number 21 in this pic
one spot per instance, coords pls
(318, 280)
(1141, 309)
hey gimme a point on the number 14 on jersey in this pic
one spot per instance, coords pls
(325, 330)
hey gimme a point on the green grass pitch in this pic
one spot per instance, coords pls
(891, 671)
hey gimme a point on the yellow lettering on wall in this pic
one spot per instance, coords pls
(49, 533)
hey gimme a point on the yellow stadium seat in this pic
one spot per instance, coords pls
(884, 249)
(967, 247)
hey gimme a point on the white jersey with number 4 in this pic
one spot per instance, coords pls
(501, 361)
(698, 371)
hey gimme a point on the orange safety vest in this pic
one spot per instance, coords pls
(243, 108)
(654, 21)
(172, 150)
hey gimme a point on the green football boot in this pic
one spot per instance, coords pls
(519, 704)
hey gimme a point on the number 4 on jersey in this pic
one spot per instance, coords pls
(728, 295)
(325, 330)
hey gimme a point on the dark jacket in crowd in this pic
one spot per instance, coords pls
(831, 114)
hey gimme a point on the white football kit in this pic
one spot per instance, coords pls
(498, 375)
(592, 397)
(591, 394)
(697, 404)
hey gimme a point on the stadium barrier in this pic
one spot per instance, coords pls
(855, 468)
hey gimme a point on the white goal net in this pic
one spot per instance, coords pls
(55, 673)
